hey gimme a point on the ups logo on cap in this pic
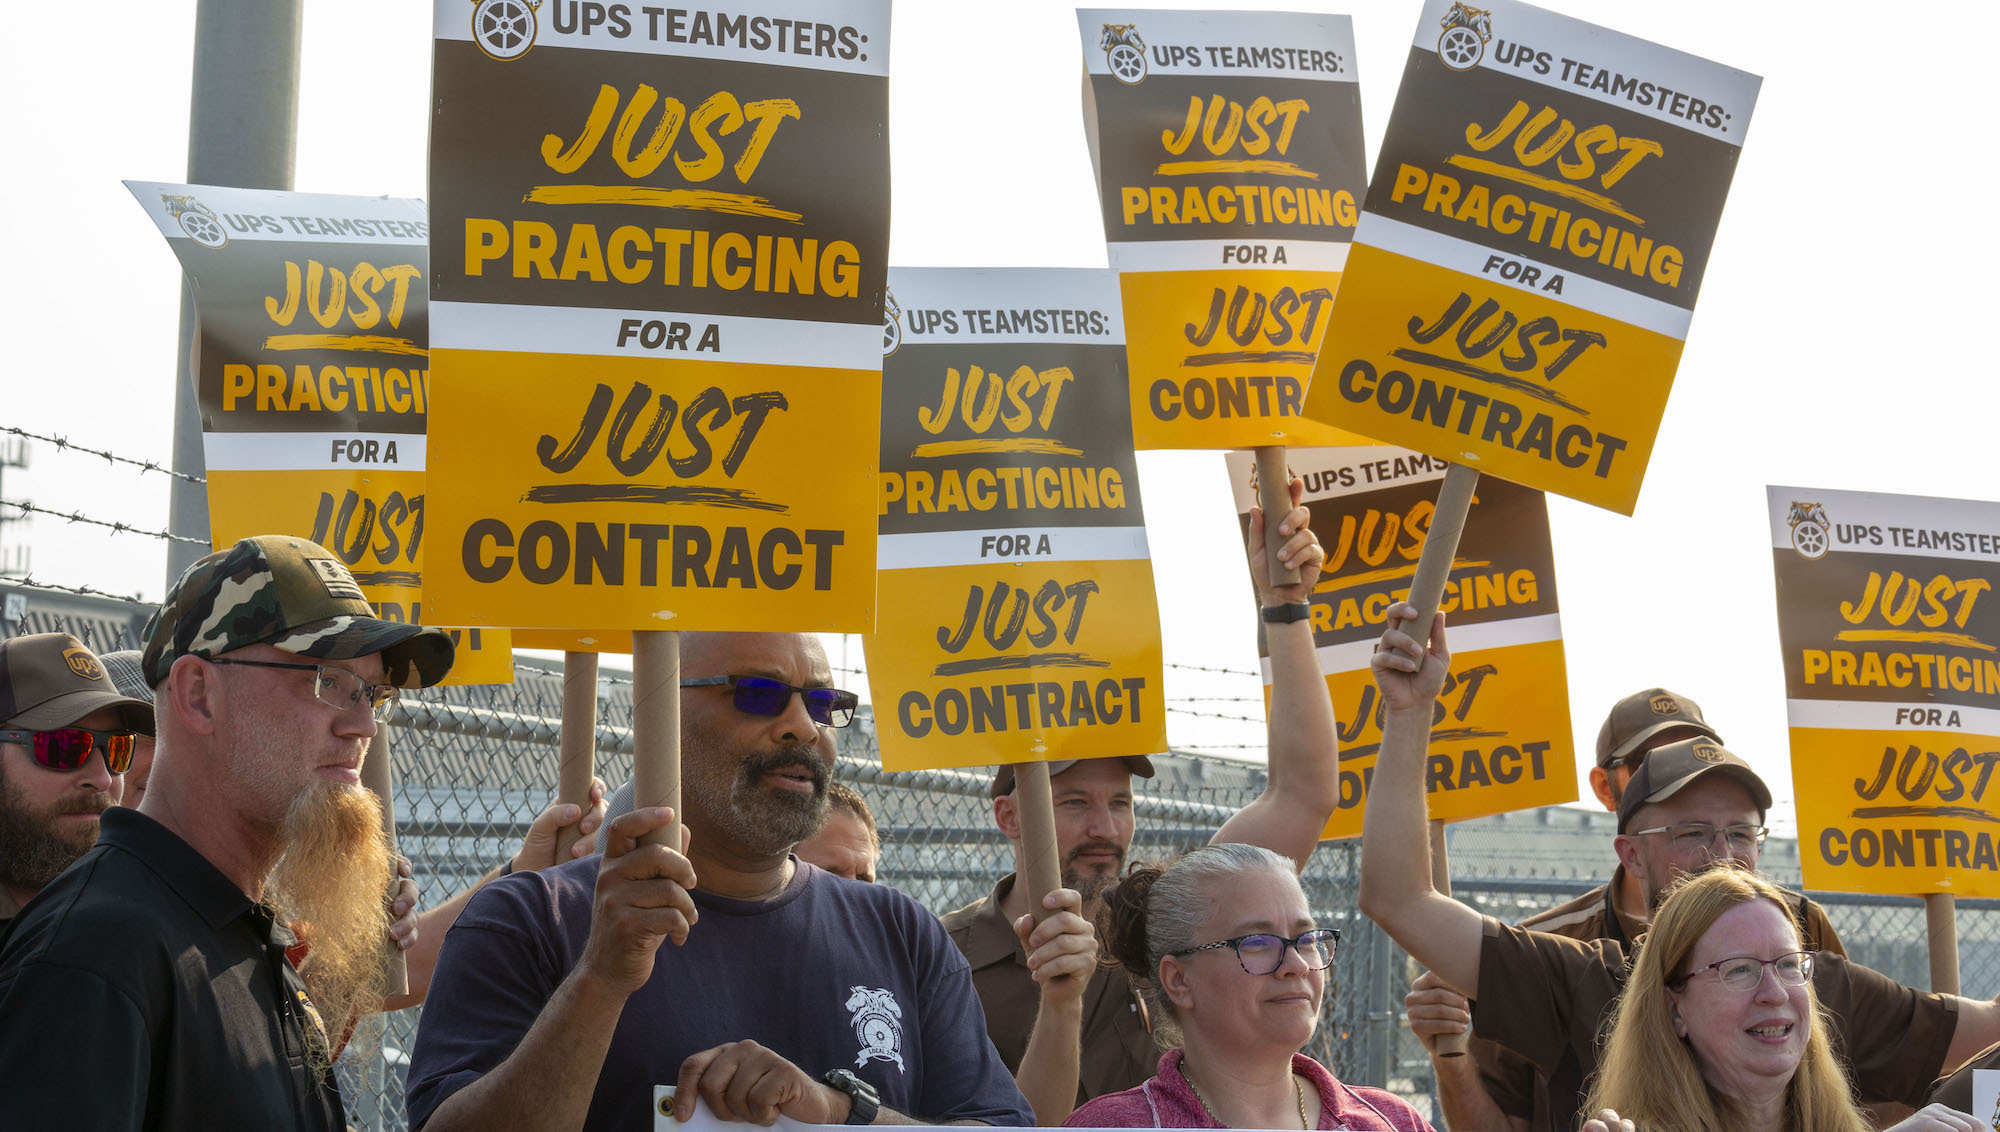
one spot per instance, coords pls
(83, 663)
(1664, 705)
(1708, 752)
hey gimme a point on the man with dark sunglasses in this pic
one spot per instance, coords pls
(148, 985)
(66, 738)
(787, 990)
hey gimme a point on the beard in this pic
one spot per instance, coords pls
(1090, 885)
(331, 886)
(36, 846)
(757, 819)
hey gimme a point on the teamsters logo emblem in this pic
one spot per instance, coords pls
(1124, 53)
(505, 29)
(878, 1022)
(892, 323)
(1809, 529)
(1466, 32)
(198, 220)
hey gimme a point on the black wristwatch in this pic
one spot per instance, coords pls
(865, 1102)
(1288, 612)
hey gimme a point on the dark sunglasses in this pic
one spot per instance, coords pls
(68, 748)
(761, 695)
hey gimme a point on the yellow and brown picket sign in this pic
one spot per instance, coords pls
(1019, 620)
(312, 374)
(1229, 169)
(1534, 238)
(1891, 635)
(1500, 739)
(661, 247)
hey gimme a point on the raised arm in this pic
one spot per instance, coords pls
(1302, 782)
(1396, 890)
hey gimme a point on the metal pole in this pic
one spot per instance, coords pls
(242, 132)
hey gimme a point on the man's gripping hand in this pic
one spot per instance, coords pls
(1435, 1010)
(1062, 950)
(642, 899)
(744, 1081)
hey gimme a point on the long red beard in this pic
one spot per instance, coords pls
(330, 887)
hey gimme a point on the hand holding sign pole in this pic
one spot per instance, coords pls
(1274, 478)
(1426, 594)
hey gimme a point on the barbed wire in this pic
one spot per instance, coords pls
(1213, 714)
(63, 443)
(1221, 671)
(86, 591)
(1215, 699)
(123, 528)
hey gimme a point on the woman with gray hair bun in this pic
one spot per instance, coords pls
(1222, 944)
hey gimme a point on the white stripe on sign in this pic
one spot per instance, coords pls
(821, 35)
(1851, 715)
(312, 451)
(1228, 255)
(1468, 258)
(1011, 546)
(1354, 656)
(654, 334)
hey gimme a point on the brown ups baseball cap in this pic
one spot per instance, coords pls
(1003, 781)
(291, 594)
(1642, 715)
(51, 680)
(1667, 770)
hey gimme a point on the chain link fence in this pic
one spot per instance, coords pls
(475, 765)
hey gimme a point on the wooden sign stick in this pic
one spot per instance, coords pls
(1034, 802)
(656, 728)
(578, 742)
(1426, 592)
(1274, 495)
(378, 777)
(1941, 923)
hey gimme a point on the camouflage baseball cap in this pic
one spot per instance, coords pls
(50, 680)
(290, 594)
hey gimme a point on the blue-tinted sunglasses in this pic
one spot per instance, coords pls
(761, 695)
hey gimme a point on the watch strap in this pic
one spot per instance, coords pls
(1287, 612)
(863, 1101)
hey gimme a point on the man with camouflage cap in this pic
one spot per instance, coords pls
(66, 739)
(159, 956)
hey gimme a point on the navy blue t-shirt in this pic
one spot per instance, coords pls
(829, 974)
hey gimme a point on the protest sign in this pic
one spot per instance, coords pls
(1229, 161)
(1501, 738)
(312, 374)
(657, 303)
(1533, 241)
(1023, 624)
(1892, 683)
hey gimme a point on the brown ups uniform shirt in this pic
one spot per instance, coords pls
(1118, 1050)
(1548, 998)
(1512, 1081)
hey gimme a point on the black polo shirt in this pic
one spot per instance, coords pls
(143, 989)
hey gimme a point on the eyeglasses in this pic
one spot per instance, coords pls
(1263, 953)
(761, 695)
(1698, 835)
(68, 748)
(336, 687)
(1746, 973)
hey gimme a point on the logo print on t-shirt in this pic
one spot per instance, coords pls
(878, 1024)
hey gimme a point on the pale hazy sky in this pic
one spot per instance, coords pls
(1828, 348)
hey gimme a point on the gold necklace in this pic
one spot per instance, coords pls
(1298, 1095)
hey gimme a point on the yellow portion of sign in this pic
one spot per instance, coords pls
(636, 493)
(1500, 740)
(977, 665)
(574, 640)
(483, 656)
(1901, 811)
(1506, 380)
(1220, 359)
